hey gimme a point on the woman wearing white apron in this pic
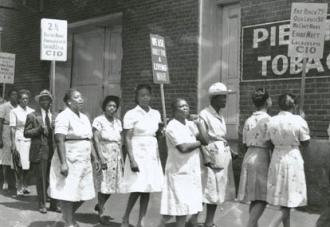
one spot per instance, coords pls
(20, 146)
(286, 185)
(143, 172)
(71, 174)
(217, 171)
(253, 181)
(182, 192)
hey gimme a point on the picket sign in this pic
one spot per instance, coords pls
(307, 33)
(159, 67)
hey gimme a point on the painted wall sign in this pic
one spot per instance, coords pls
(53, 46)
(265, 54)
(7, 68)
(307, 29)
(159, 59)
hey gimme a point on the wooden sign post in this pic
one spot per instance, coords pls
(53, 46)
(159, 67)
(307, 32)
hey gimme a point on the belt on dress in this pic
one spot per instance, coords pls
(144, 136)
(5, 123)
(77, 139)
(254, 146)
(286, 146)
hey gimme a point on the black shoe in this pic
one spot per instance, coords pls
(104, 220)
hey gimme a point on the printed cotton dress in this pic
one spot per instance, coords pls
(286, 177)
(109, 180)
(5, 151)
(182, 191)
(253, 180)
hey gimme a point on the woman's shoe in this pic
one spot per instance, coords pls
(104, 220)
(5, 186)
(19, 192)
(26, 190)
(97, 209)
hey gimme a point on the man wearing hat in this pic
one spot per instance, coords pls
(39, 128)
(217, 172)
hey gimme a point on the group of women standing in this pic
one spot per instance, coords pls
(273, 167)
(183, 192)
(199, 164)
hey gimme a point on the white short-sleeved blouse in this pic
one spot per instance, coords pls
(255, 129)
(17, 119)
(287, 129)
(73, 126)
(143, 123)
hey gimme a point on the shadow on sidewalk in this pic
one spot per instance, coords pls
(22, 204)
(46, 224)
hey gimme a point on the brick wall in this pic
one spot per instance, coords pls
(21, 36)
(317, 108)
(176, 20)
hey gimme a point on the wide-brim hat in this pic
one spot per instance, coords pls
(44, 93)
(218, 89)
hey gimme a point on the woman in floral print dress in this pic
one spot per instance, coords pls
(286, 185)
(253, 180)
(107, 139)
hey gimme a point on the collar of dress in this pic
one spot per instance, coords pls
(139, 109)
(22, 109)
(74, 114)
(259, 112)
(215, 113)
(285, 113)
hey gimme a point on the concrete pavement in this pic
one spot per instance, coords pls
(24, 213)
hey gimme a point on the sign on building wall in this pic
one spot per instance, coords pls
(159, 60)
(307, 29)
(265, 54)
(53, 46)
(7, 68)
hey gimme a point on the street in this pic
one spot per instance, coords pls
(24, 213)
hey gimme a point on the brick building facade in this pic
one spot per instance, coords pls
(194, 49)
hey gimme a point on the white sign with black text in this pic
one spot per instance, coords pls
(7, 68)
(53, 46)
(308, 26)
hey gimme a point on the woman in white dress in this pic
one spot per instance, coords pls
(20, 146)
(71, 174)
(286, 185)
(143, 172)
(182, 191)
(5, 140)
(107, 130)
(217, 171)
(253, 180)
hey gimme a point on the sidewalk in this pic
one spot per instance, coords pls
(24, 213)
